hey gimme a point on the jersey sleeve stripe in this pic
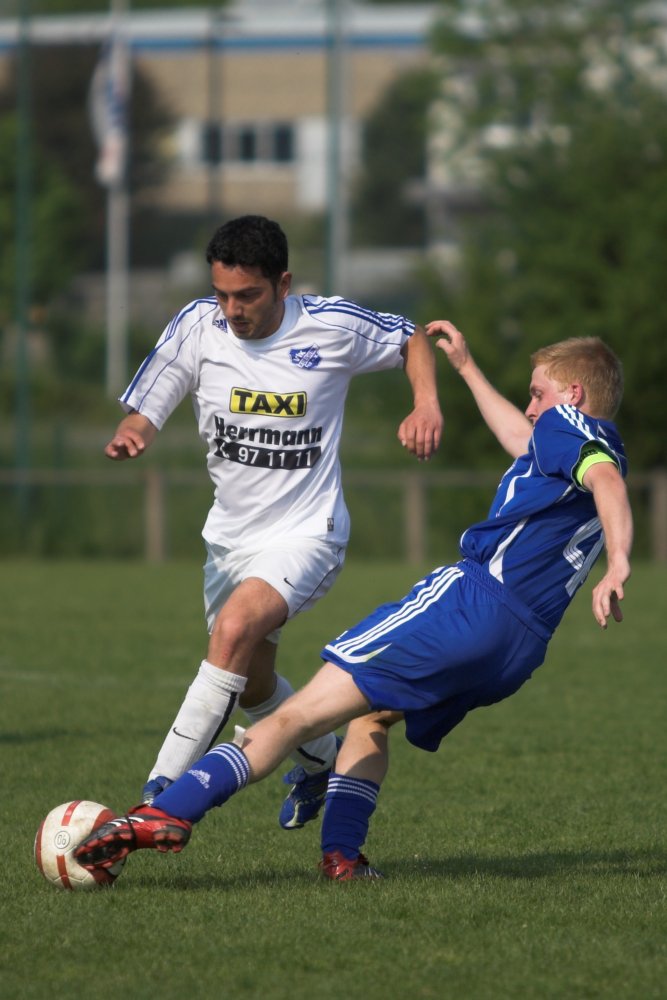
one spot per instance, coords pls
(342, 308)
(575, 417)
(169, 334)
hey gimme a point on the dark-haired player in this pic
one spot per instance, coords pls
(268, 373)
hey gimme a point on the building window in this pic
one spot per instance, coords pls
(283, 143)
(243, 142)
(247, 144)
(211, 143)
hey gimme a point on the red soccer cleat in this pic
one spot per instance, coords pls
(341, 869)
(143, 827)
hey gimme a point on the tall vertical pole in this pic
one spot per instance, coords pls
(23, 255)
(336, 194)
(213, 112)
(117, 288)
(117, 302)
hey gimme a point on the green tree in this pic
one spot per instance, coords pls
(67, 216)
(385, 209)
(559, 111)
(54, 224)
(62, 133)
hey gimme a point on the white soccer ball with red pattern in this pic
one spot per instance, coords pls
(58, 835)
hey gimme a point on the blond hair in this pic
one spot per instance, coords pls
(589, 361)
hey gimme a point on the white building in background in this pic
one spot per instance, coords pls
(251, 86)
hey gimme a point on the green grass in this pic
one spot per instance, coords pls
(526, 859)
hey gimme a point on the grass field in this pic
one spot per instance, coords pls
(527, 859)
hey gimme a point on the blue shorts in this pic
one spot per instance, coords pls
(456, 642)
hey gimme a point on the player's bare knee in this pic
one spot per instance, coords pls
(232, 633)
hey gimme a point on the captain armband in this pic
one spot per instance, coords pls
(591, 454)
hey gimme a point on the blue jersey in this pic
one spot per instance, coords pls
(543, 534)
(470, 635)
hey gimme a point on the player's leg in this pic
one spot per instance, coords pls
(315, 758)
(302, 570)
(330, 700)
(365, 750)
(326, 702)
(352, 797)
(248, 596)
(253, 610)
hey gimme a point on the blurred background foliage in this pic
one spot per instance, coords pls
(549, 121)
(572, 238)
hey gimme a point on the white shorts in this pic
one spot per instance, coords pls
(302, 570)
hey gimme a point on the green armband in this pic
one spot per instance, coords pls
(590, 455)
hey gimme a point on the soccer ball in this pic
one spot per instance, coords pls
(58, 835)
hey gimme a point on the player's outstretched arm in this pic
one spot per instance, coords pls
(613, 507)
(421, 430)
(133, 435)
(505, 420)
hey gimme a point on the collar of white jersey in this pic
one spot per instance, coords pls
(290, 316)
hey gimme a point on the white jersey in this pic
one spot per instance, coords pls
(270, 411)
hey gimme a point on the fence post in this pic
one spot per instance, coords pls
(658, 514)
(154, 519)
(414, 503)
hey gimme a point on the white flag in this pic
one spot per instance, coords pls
(109, 93)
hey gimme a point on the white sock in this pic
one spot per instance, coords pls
(316, 755)
(208, 704)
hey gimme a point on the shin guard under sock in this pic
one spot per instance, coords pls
(213, 779)
(348, 808)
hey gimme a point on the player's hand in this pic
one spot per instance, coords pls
(421, 431)
(609, 592)
(452, 343)
(126, 443)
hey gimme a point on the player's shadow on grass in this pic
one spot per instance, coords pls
(20, 738)
(643, 863)
(223, 881)
(26, 736)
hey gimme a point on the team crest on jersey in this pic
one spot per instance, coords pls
(263, 402)
(305, 357)
(220, 323)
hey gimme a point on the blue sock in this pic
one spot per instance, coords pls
(348, 808)
(210, 781)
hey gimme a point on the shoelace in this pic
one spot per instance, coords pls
(295, 776)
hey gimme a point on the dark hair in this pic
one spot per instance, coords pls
(250, 241)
